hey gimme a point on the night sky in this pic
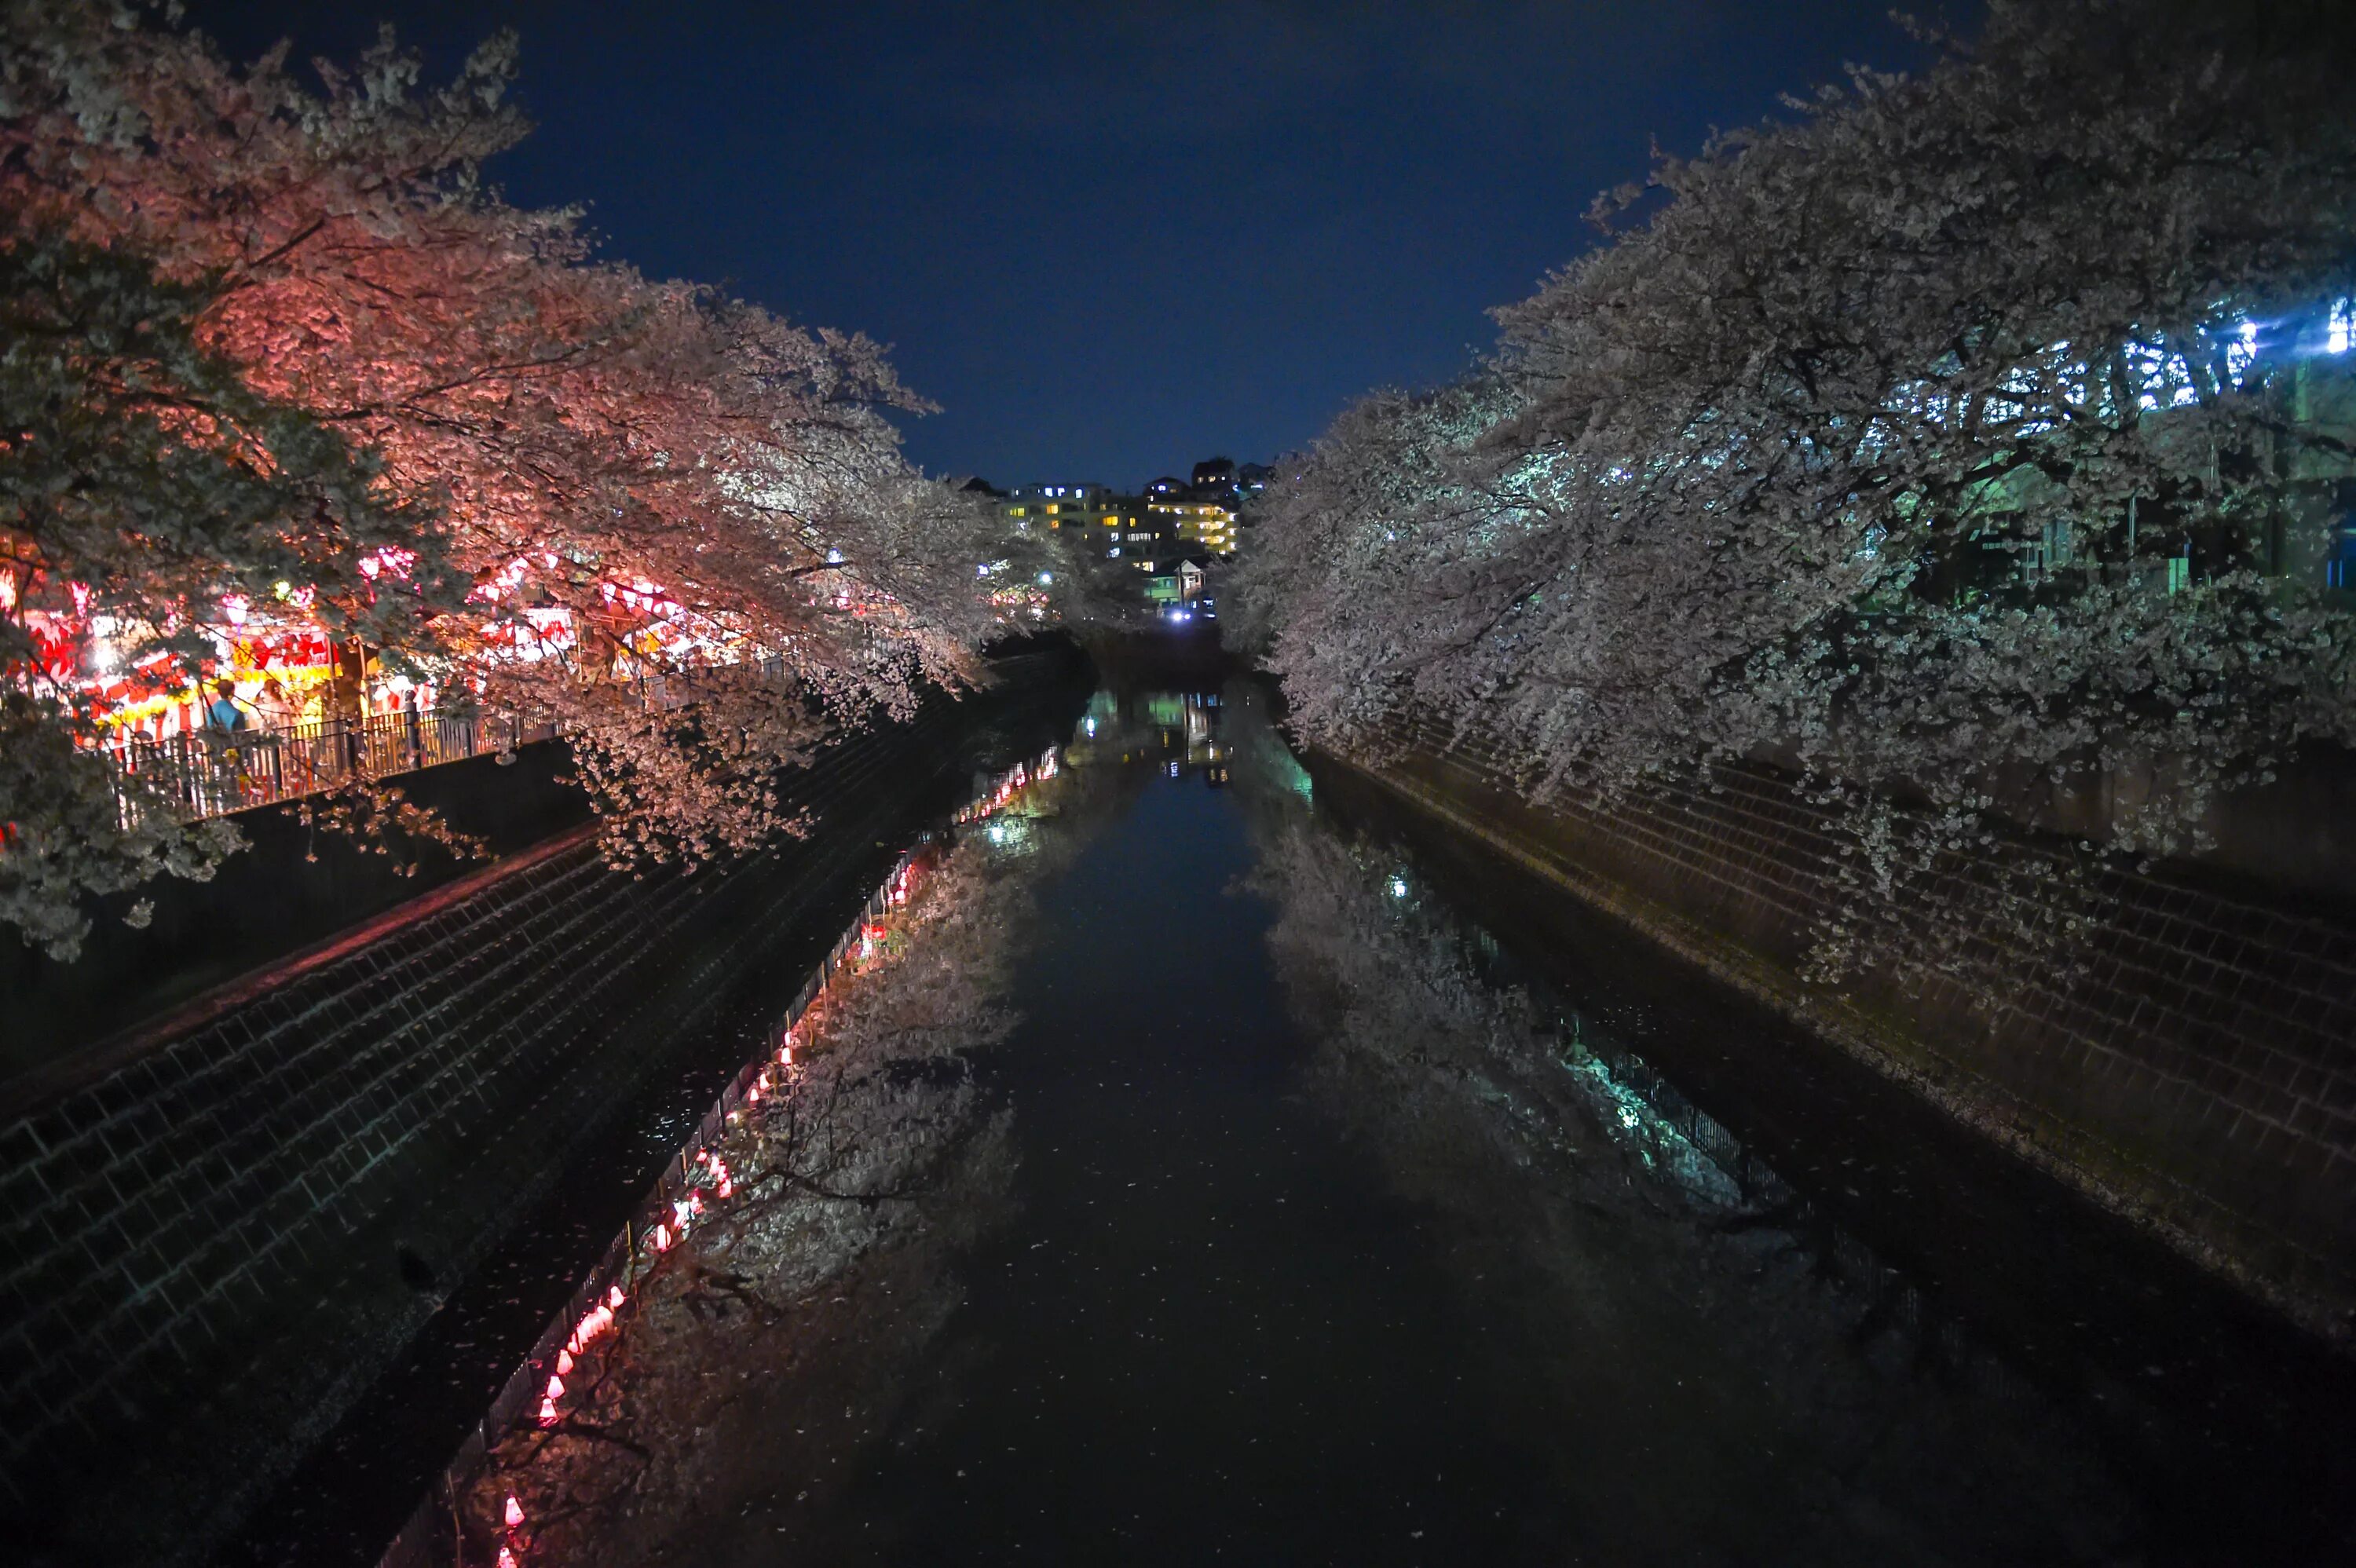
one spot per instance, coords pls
(1112, 238)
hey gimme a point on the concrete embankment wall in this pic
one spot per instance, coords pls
(2191, 1058)
(291, 887)
(199, 1247)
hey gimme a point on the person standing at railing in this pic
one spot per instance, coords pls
(276, 708)
(225, 716)
(346, 697)
(225, 725)
(271, 756)
(412, 720)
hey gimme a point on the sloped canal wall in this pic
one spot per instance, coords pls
(2190, 1060)
(210, 1252)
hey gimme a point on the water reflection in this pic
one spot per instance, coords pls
(1711, 1371)
(1190, 1180)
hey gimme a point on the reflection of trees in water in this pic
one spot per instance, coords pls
(757, 1352)
(1707, 1358)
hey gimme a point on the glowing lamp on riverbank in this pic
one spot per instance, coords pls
(563, 1363)
(514, 1515)
(548, 1416)
(614, 1297)
(556, 1388)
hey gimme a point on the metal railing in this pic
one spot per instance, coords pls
(212, 774)
(209, 774)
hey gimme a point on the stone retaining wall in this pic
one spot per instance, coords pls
(2192, 1059)
(198, 1263)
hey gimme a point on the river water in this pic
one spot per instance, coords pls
(1281, 1184)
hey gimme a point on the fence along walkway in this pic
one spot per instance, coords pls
(204, 776)
(210, 774)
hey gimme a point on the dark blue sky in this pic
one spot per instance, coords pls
(1111, 239)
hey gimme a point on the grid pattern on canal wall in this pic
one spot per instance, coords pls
(426, 1537)
(2190, 1057)
(183, 1222)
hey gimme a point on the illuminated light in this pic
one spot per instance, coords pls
(556, 1388)
(726, 1185)
(563, 1363)
(614, 1297)
(514, 1515)
(507, 1558)
(548, 1416)
(660, 1240)
(1398, 887)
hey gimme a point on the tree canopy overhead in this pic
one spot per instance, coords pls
(1965, 436)
(278, 336)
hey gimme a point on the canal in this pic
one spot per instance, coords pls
(1218, 1164)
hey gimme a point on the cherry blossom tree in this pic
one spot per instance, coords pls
(682, 525)
(1866, 446)
(146, 491)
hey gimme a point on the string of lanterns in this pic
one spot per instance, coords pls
(714, 1182)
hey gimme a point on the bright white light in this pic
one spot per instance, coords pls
(1398, 887)
(1047, 578)
(834, 558)
(2341, 335)
(1090, 726)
